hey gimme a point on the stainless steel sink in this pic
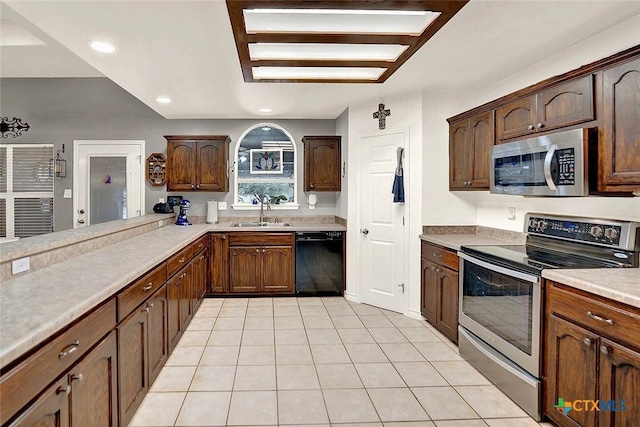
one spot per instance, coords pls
(261, 224)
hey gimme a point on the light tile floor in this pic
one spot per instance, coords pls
(321, 362)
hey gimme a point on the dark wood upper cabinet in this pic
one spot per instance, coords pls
(619, 136)
(470, 143)
(562, 105)
(197, 163)
(322, 160)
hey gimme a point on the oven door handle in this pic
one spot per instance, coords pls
(547, 167)
(507, 272)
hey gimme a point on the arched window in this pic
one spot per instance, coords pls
(265, 161)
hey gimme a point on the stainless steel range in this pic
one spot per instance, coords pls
(501, 294)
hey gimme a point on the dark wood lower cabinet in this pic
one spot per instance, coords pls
(277, 274)
(157, 340)
(219, 263)
(133, 375)
(94, 387)
(429, 294)
(179, 307)
(200, 285)
(50, 410)
(244, 268)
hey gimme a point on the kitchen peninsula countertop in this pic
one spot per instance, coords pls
(618, 284)
(35, 305)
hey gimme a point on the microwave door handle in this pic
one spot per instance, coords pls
(547, 167)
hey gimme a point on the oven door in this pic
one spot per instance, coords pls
(502, 307)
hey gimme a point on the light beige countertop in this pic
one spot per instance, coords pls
(35, 305)
(618, 284)
(455, 241)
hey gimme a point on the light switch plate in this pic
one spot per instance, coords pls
(222, 206)
(67, 193)
(20, 265)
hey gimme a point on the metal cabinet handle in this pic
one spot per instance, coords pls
(201, 245)
(437, 255)
(148, 287)
(66, 390)
(539, 125)
(69, 349)
(193, 186)
(587, 341)
(530, 127)
(257, 250)
(262, 250)
(312, 185)
(77, 377)
(600, 318)
(364, 231)
(198, 186)
(151, 305)
(145, 310)
(604, 349)
(224, 237)
(202, 257)
(181, 260)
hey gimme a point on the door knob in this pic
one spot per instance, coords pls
(364, 231)
(81, 211)
(81, 221)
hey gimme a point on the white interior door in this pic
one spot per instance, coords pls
(381, 223)
(108, 181)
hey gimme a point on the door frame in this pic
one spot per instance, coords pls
(405, 241)
(115, 142)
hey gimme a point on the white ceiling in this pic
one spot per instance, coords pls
(185, 50)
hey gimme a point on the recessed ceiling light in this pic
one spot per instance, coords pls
(265, 110)
(317, 73)
(163, 100)
(102, 46)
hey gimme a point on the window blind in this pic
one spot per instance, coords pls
(26, 189)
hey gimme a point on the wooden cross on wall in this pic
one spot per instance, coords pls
(381, 115)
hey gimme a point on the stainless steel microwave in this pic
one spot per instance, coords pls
(550, 165)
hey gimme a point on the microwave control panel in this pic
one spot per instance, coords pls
(566, 166)
(607, 234)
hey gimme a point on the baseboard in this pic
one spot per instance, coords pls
(414, 314)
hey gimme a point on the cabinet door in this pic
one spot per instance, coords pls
(447, 309)
(571, 371)
(219, 263)
(174, 294)
(429, 297)
(322, 159)
(94, 392)
(566, 104)
(158, 347)
(244, 268)
(200, 277)
(481, 138)
(278, 269)
(211, 172)
(619, 381)
(516, 118)
(459, 155)
(133, 377)
(181, 165)
(186, 308)
(619, 143)
(50, 410)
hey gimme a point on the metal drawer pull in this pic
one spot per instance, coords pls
(181, 260)
(66, 389)
(437, 255)
(69, 349)
(148, 287)
(587, 341)
(599, 318)
(604, 349)
(77, 377)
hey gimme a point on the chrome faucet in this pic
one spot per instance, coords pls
(261, 197)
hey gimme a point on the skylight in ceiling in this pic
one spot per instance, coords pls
(328, 41)
(337, 21)
(318, 51)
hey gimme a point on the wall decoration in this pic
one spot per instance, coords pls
(60, 164)
(381, 115)
(156, 169)
(14, 127)
(265, 161)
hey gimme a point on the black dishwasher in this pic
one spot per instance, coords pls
(319, 263)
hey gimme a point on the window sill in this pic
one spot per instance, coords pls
(274, 207)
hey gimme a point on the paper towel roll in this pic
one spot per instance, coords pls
(212, 212)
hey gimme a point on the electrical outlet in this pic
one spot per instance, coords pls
(161, 200)
(222, 206)
(512, 214)
(20, 265)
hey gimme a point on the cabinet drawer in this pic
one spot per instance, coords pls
(179, 260)
(30, 377)
(200, 244)
(140, 290)
(609, 319)
(439, 255)
(260, 239)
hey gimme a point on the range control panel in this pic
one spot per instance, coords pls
(601, 232)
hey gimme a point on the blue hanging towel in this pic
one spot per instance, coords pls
(398, 180)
